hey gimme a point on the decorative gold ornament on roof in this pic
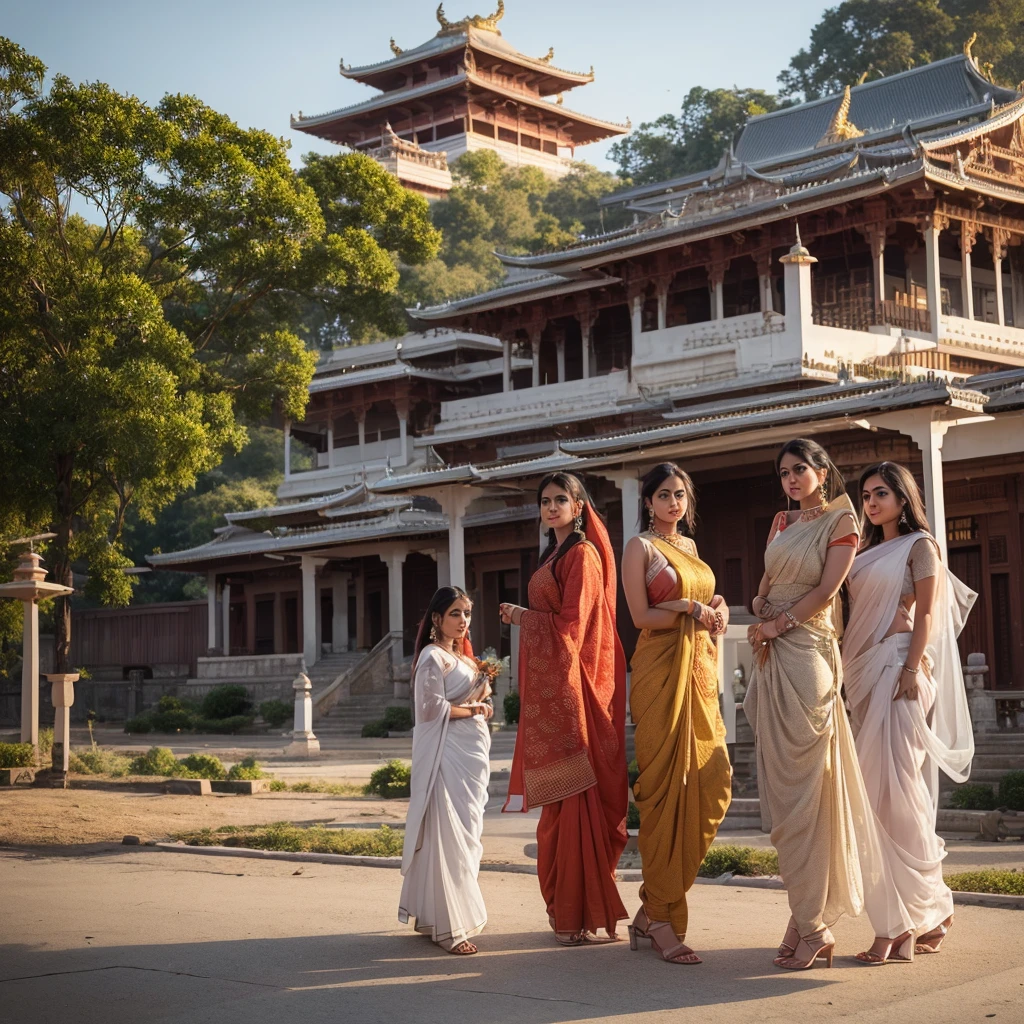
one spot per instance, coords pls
(488, 24)
(864, 77)
(842, 128)
(395, 48)
(967, 46)
(548, 57)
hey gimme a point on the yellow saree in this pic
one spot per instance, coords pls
(684, 787)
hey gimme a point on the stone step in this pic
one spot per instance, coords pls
(1002, 762)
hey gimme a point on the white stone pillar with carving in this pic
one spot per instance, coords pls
(636, 318)
(225, 619)
(797, 283)
(454, 501)
(309, 649)
(361, 427)
(304, 743)
(339, 613)
(875, 235)
(933, 281)
(928, 434)
(764, 280)
(395, 560)
(968, 235)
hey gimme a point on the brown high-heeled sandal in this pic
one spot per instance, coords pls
(464, 948)
(673, 951)
(897, 951)
(797, 962)
(931, 942)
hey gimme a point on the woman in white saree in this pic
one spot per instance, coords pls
(908, 708)
(450, 770)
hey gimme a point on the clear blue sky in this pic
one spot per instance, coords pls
(259, 61)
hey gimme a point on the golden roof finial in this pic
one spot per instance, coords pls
(488, 24)
(967, 46)
(864, 77)
(842, 129)
(395, 48)
(548, 57)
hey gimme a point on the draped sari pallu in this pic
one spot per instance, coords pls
(902, 744)
(570, 747)
(813, 802)
(684, 786)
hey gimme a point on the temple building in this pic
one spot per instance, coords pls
(466, 89)
(851, 270)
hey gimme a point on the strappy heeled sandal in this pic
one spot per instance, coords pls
(787, 948)
(464, 948)
(673, 952)
(823, 951)
(897, 951)
(931, 942)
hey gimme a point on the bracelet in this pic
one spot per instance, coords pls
(792, 620)
(719, 623)
(912, 671)
(696, 609)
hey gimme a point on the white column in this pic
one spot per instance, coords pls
(361, 422)
(225, 619)
(636, 317)
(560, 356)
(932, 280)
(928, 434)
(797, 285)
(394, 560)
(506, 364)
(403, 436)
(663, 305)
(287, 448)
(339, 618)
(629, 485)
(535, 351)
(997, 262)
(586, 343)
(309, 651)
(362, 641)
(718, 297)
(967, 237)
(211, 612)
(455, 500)
(444, 571)
(330, 444)
(30, 674)
(764, 282)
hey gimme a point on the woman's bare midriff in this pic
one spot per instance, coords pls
(903, 621)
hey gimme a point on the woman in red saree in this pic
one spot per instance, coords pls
(570, 749)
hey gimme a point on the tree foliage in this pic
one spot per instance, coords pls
(694, 139)
(159, 268)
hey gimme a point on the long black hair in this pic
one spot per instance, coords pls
(443, 599)
(901, 482)
(653, 480)
(817, 458)
(573, 486)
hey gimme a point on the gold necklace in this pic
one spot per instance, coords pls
(670, 538)
(810, 514)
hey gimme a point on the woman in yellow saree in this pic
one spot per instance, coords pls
(685, 780)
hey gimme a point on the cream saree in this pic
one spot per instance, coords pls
(902, 744)
(813, 801)
(445, 822)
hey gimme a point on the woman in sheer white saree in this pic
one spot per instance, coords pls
(450, 771)
(908, 708)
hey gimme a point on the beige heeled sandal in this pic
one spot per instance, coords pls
(657, 932)
(801, 961)
(897, 951)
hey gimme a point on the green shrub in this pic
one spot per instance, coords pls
(282, 835)
(139, 724)
(172, 720)
(276, 712)
(377, 730)
(632, 816)
(247, 768)
(45, 742)
(202, 766)
(170, 703)
(97, 761)
(511, 703)
(224, 725)
(226, 702)
(278, 786)
(398, 718)
(17, 755)
(1011, 790)
(740, 860)
(1005, 883)
(390, 781)
(156, 761)
(975, 796)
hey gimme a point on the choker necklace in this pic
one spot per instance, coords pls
(670, 538)
(810, 514)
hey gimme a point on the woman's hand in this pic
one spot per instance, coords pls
(907, 685)
(722, 610)
(681, 607)
(509, 614)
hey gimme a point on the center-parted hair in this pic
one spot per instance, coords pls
(443, 599)
(901, 482)
(817, 458)
(653, 479)
(573, 486)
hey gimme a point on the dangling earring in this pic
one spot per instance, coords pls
(433, 634)
(824, 496)
(578, 524)
(903, 517)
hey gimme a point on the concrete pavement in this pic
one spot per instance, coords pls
(143, 935)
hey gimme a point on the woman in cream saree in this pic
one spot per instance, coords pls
(908, 708)
(684, 787)
(812, 796)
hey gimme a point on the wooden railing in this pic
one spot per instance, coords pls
(860, 314)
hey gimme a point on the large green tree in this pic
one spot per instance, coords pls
(692, 140)
(159, 270)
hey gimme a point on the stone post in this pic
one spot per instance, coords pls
(362, 640)
(928, 434)
(797, 284)
(304, 743)
(62, 696)
(395, 560)
(30, 674)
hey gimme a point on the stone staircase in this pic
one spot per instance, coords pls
(330, 666)
(995, 754)
(348, 718)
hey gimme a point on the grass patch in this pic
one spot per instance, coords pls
(97, 761)
(1005, 883)
(740, 860)
(319, 786)
(289, 838)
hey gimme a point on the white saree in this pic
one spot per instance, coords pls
(443, 829)
(902, 744)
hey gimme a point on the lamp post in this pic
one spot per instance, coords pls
(29, 586)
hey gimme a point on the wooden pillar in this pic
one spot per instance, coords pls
(968, 236)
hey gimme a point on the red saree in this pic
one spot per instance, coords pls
(570, 750)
